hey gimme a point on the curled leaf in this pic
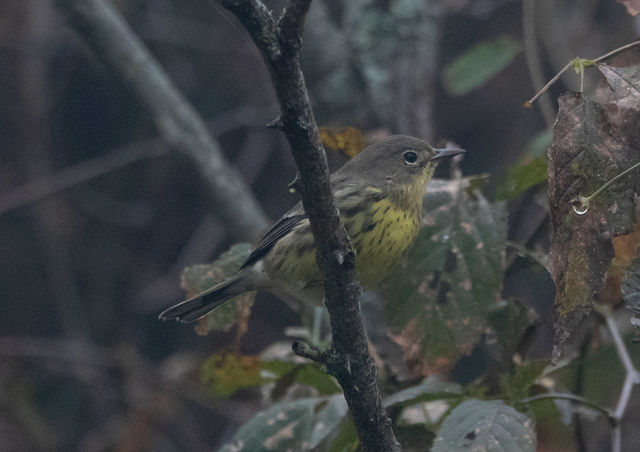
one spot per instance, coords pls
(587, 151)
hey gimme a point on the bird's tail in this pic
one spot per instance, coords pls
(200, 305)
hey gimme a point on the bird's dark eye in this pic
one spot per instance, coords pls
(410, 157)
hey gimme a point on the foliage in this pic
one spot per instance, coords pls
(479, 64)
(517, 384)
(491, 426)
(591, 145)
(445, 299)
(507, 322)
(199, 278)
(225, 373)
(296, 425)
(443, 292)
(432, 388)
(106, 227)
(522, 177)
(461, 248)
(529, 170)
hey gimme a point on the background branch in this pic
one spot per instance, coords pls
(34, 126)
(57, 181)
(112, 39)
(280, 48)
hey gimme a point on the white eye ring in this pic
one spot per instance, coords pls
(410, 157)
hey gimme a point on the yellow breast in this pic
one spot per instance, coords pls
(382, 227)
(381, 237)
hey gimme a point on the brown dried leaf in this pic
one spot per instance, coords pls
(588, 149)
(622, 101)
(633, 6)
(626, 249)
(349, 141)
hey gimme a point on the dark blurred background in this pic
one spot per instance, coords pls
(98, 215)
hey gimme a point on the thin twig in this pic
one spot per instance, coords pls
(581, 62)
(307, 351)
(616, 51)
(66, 351)
(50, 184)
(549, 83)
(583, 201)
(112, 39)
(632, 377)
(573, 398)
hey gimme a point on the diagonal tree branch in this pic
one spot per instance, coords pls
(65, 178)
(112, 39)
(348, 360)
(57, 181)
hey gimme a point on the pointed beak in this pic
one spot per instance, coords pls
(446, 153)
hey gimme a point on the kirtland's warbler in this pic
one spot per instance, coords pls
(379, 195)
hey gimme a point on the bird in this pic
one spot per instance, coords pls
(379, 196)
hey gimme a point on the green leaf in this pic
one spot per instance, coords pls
(516, 385)
(508, 321)
(432, 388)
(347, 438)
(298, 425)
(198, 278)
(225, 373)
(442, 293)
(488, 426)
(529, 170)
(522, 177)
(479, 64)
(309, 374)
